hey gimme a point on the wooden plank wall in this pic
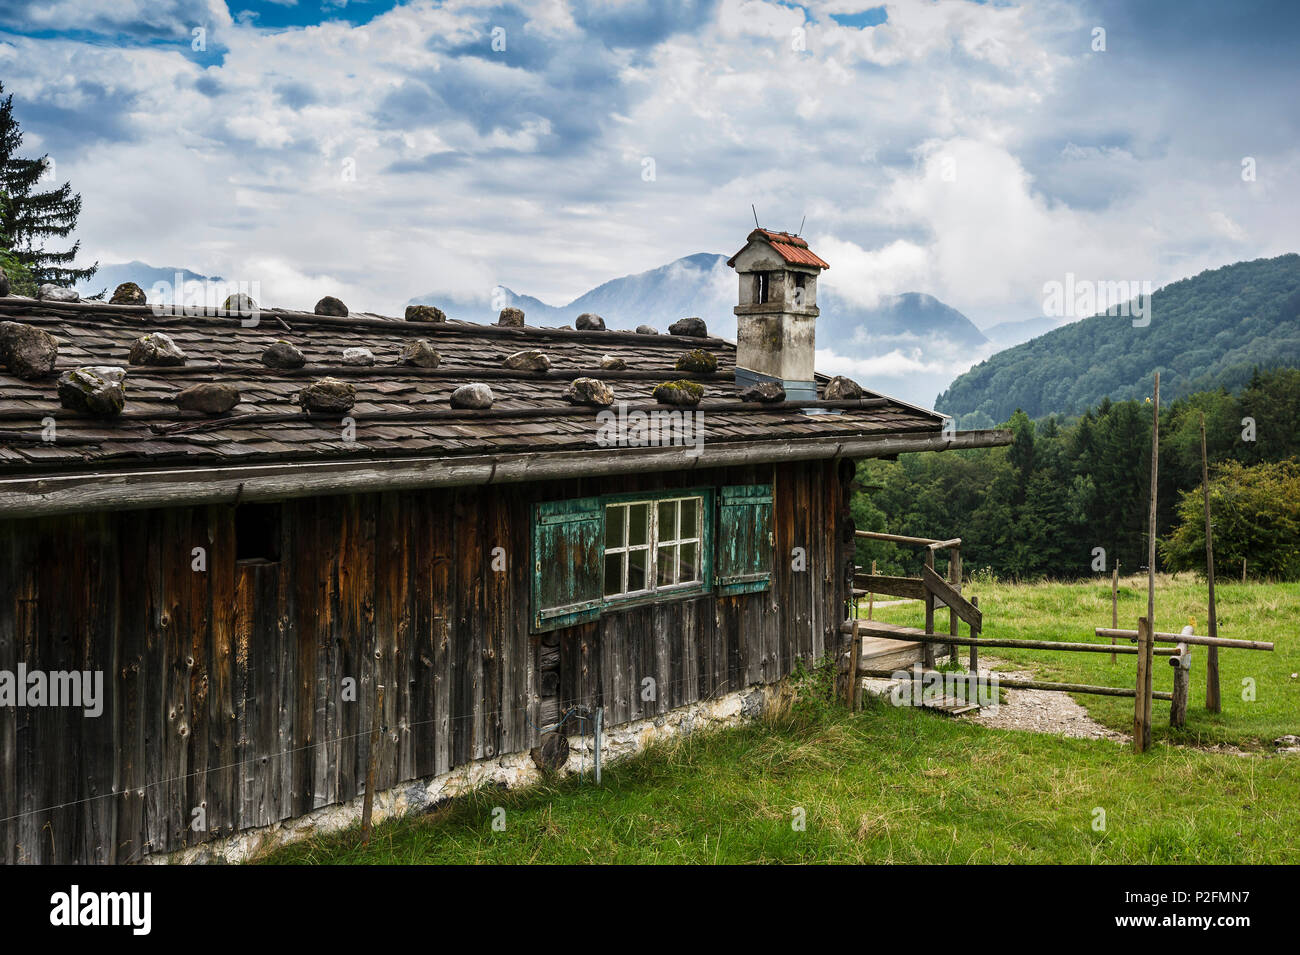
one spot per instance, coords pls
(229, 692)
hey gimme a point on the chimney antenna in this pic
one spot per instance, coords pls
(755, 211)
(801, 222)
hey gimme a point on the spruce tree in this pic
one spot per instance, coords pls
(28, 216)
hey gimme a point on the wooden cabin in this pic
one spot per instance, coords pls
(243, 580)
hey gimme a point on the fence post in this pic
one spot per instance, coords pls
(855, 655)
(1182, 664)
(927, 649)
(871, 597)
(1212, 704)
(1114, 604)
(368, 804)
(974, 650)
(600, 720)
(1141, 717)
(954, 578)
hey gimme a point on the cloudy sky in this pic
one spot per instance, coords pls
(379, 150)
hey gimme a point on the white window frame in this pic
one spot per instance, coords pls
(653, 544)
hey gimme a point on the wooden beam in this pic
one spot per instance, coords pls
(910, 587)
(1212, 700)
(954, 601)
(62, 492)
(1190, 638)
(1040, 685)
(898, 538)
(917, 636)
(944, 545)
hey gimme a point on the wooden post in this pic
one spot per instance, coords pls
(1182, 664)
(855, 655)
(1141, 728)
(368, 804)
(1114, 604)
(1142, 714)
(1212, 702)
(871, 597)
(1243, 570)
(927, 650)
(954, 578)
(974, 650)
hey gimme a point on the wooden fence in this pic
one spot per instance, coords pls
(931, 587)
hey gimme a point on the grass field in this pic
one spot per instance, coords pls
(882, 785)
(1252, 611)
(900, 785)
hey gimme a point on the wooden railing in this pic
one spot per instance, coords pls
(928, 587)
(931, 587)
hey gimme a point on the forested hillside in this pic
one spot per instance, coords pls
(1039, 507)
(1206, 332)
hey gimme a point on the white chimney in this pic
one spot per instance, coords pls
(776, 319)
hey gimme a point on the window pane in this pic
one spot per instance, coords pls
(667, 521)
(614, 573)
(667, 570)
(638, 528)
(690, 511)
(636, 569)
(615, 516)
(690, 569)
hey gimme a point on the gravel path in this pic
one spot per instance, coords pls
(1038, 711)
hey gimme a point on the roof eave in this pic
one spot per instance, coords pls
(98, 490)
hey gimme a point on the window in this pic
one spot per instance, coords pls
(652, 545)
(257, 533)
(593, 555)
(762, 287)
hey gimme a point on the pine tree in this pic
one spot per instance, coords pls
(28, 216)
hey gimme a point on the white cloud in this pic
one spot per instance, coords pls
(525, 169)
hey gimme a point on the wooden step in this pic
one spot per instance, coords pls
(950, 706)
(885, 646)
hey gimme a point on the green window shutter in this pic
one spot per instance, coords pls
(567, 564)
(744, 561)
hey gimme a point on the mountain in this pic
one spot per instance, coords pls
(1204, 333)
(146, 276)
(907, 345)
(1006, 334)
(698, 284)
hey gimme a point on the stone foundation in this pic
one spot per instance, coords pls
(511, 770)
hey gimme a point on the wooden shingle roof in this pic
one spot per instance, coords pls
(399, 409)
(404, 433)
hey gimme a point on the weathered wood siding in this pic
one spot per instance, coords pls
(224, 688)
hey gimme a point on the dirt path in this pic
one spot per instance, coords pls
(1038, 711)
